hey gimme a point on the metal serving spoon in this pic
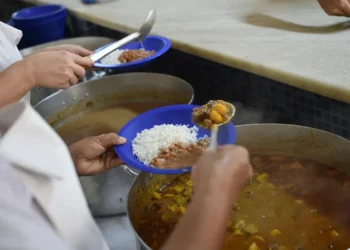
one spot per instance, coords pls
(137, 36)
(215, 128)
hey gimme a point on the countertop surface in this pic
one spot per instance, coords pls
(291, 41)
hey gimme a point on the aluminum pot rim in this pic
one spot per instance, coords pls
(116, 75)
(138, 237)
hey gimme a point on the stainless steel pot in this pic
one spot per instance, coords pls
(91, 43)
(280, 139)
(106, 193)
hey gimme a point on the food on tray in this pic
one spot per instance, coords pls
(290, 203)
(134, 55)
(214, 112)
(126, 56)
(179, 155)
(169, 146)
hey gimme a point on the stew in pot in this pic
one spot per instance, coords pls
(290, 203)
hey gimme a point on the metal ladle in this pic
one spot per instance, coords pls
(214, 129)
(137, 36)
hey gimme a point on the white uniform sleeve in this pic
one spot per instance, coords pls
(9, 54)
(23, 226)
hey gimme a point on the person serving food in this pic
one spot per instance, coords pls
(42, 205)
(54, 67)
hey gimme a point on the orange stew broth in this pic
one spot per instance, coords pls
(290, 203)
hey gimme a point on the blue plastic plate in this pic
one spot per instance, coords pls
(157, 43)
(174, 114)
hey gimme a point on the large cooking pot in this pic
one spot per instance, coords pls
(106, 193)
(289, 140)
(91, 43)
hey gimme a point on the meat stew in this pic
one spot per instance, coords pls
(290, 203)
(134, 55)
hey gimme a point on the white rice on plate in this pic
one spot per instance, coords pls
(112, 58)
(148, 143)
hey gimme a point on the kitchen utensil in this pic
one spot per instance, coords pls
(213, 137)
(137, 36)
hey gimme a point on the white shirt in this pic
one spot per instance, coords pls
(9, 54)
(42, 205)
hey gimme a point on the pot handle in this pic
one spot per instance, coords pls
(130, 171)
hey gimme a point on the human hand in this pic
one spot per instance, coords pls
(75, 49)
(218, 177)
(222, 171)
(336, 7)
(56, 69)
(95, 154)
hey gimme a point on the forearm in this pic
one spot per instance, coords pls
(204, 224)
(15, 82)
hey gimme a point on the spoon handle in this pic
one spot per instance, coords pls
(213, 137)
(96, 56)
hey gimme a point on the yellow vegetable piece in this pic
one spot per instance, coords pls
(257, 237)
(215, 117)
(164, 218)
(156, 196)
(189, 183)
(334, 233)
(240, 224)
(270, 185)
(237, 232)
(251, 229)
(275, 232)
(182, 210)
(188, 191)
(220, 108)
(262, 178)
(171, 208)
(169, 195)
(179, 189)
(180, 200)
(253, 246)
